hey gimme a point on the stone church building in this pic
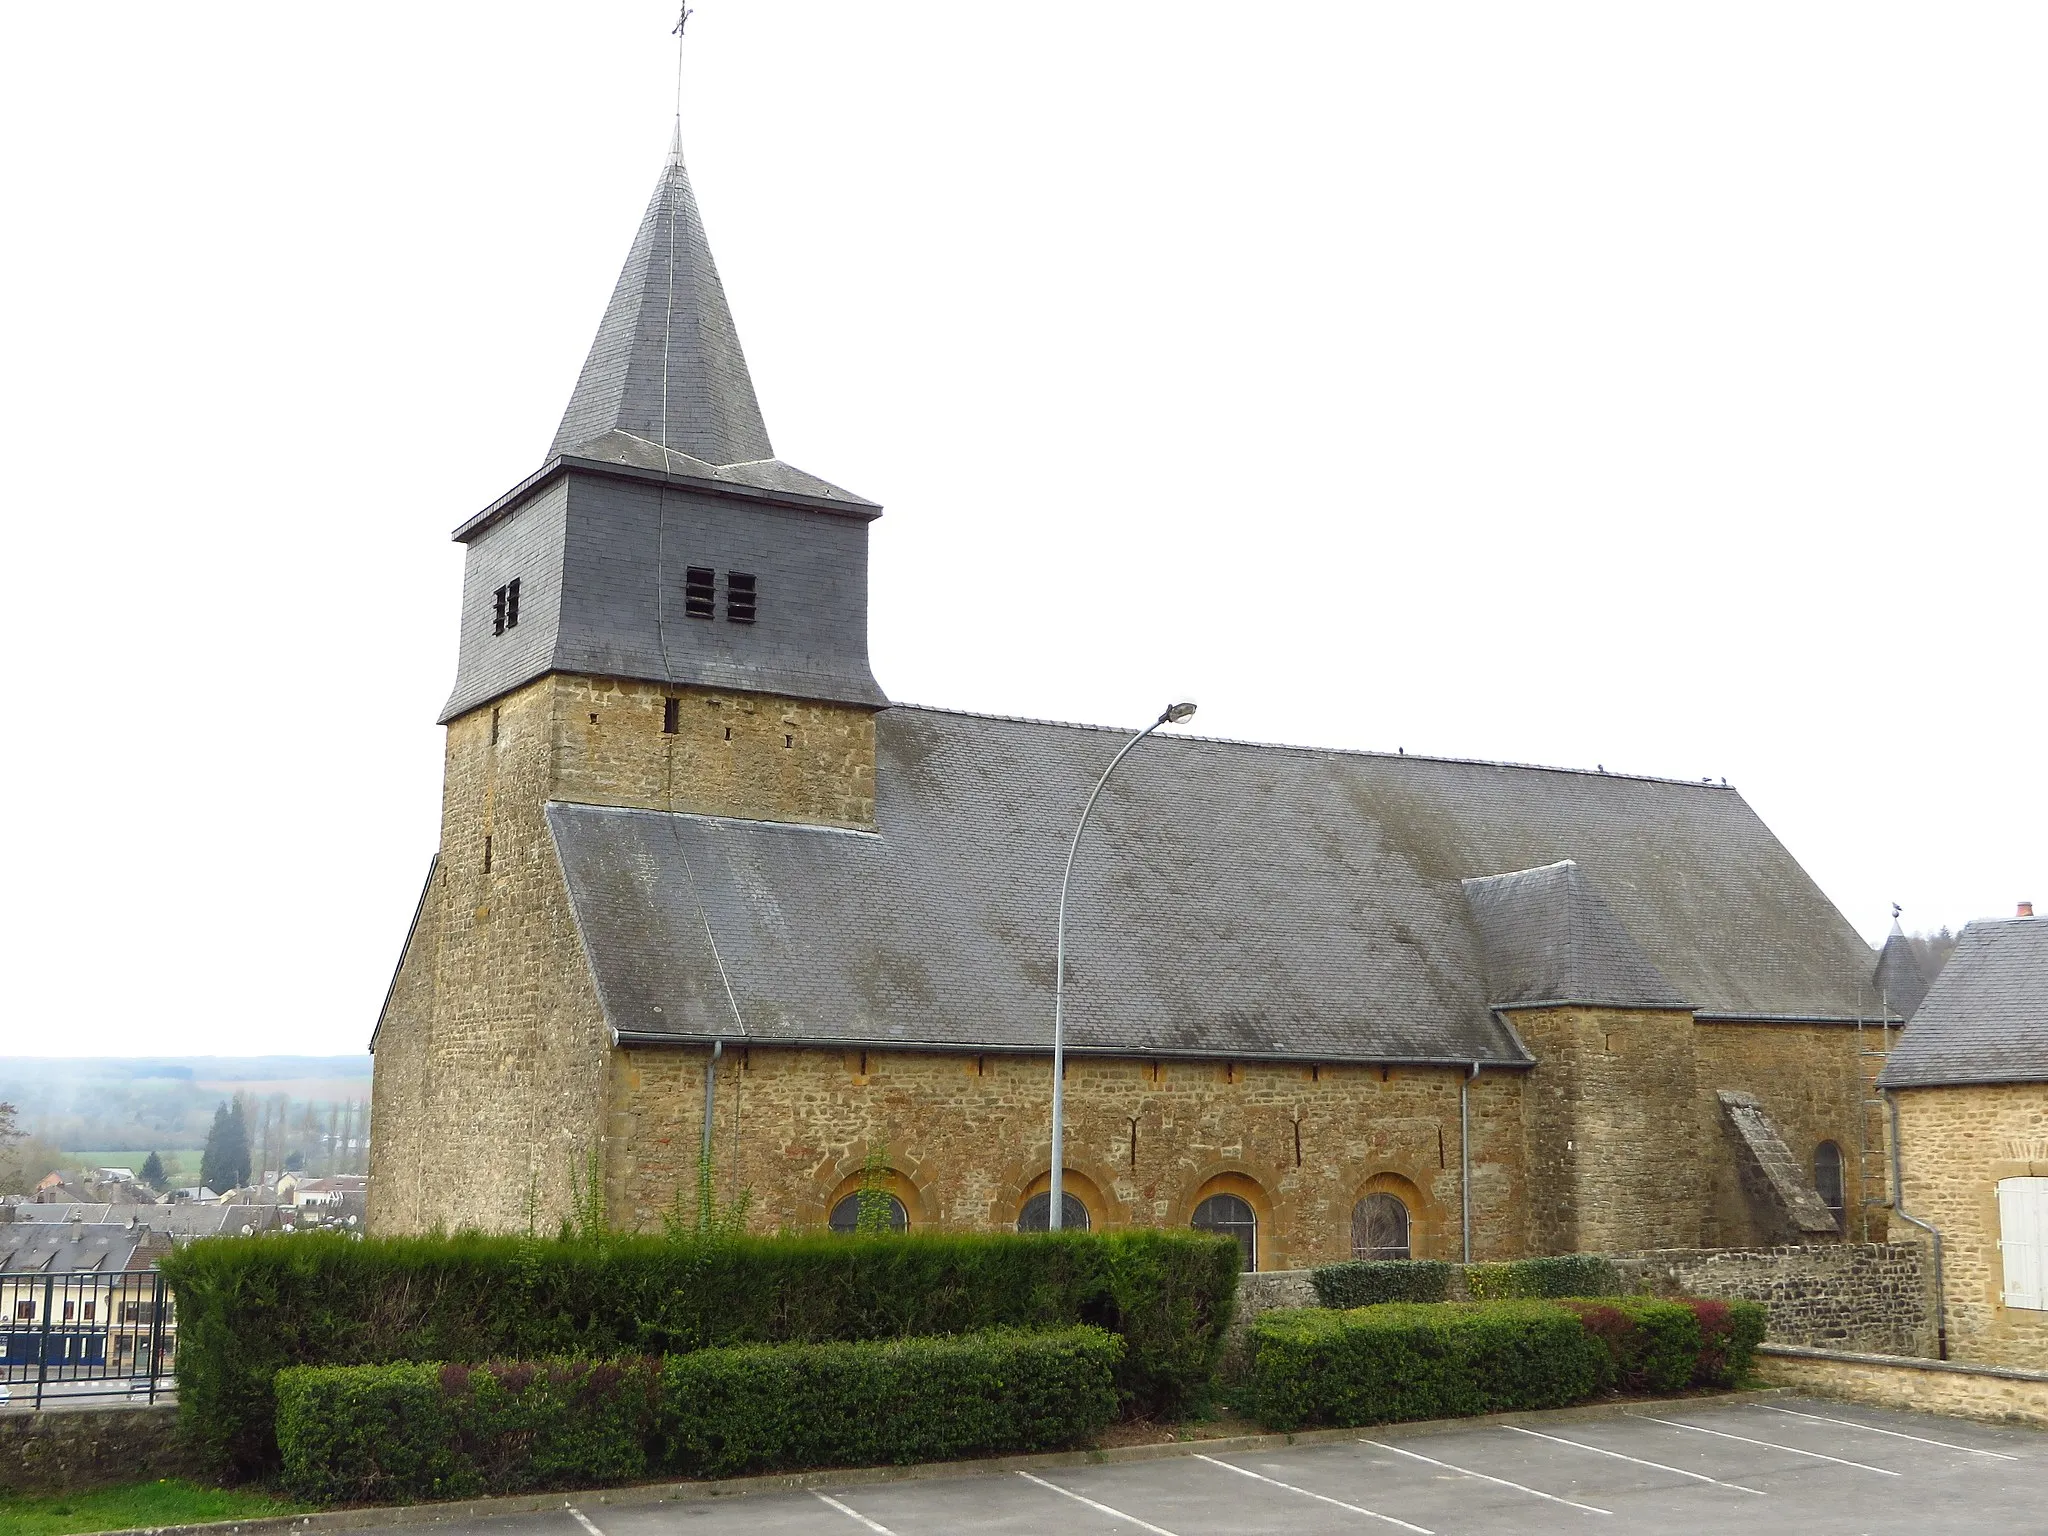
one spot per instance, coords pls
(698, 876)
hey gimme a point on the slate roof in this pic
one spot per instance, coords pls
(1547, 937)
(1985, 1019)
(1901, 980)
(666, 386)
(59, 1247)
(1230, 900)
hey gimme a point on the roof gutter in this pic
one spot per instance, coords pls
(644, 1037)
(1899, 1205)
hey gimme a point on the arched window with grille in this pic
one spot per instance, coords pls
(1037, 1213)
(1379, 1228)
(1827, 1179)
(845, 1217)
(1231, 1216)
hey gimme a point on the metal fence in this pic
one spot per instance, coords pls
(85, 1335)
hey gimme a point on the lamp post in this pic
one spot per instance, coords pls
(1173, 714)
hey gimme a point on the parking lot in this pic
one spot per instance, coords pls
(1793, 1465)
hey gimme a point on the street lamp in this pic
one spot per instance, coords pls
(1173, 714)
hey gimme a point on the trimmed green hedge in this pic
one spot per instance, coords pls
(1367, 1282)
(396, 1433)
(1652, 1345)
(779, 1406)
(1569, 1274)
(247, 1310)
(1729, 1334)
(1408, 1361)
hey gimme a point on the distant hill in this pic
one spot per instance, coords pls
(161, 1103)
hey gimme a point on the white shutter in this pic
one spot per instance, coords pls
(2023, 1241)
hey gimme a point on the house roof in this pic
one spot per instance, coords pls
(59, 1247)
(1230, 899)
(1985, 1019)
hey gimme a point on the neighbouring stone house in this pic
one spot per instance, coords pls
(1969, 1078)
(699, 878)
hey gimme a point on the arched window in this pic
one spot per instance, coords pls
(1231, 1216)
(1827, 1178)
(846, 1214)
(1379, 1228)
(1037, 1213)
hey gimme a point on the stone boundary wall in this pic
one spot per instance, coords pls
(61, 1450)
(1925, 1386)
(1270, 1290)
(1877, 1298)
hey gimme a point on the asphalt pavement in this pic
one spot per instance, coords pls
(1791, 1465)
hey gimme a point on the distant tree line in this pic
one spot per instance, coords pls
(275, 1134)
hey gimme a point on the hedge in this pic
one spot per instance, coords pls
(396, 1433)
(1569, 1274)
(247, 1310)
(1408, 1361)
(1366, 1282)
(1729, 1334)
(778, 1406)
(1652, 1345)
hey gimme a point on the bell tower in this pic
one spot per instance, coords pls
(663, 616)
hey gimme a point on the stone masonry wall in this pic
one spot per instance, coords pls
(60, 1450)
(1955, 1145)
(1612, 1144)
(1920, 1386)
(492, 1061)
(1873, 1297)
(968, 1141)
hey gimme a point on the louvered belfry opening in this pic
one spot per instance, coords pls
(739, 597)
(700, 592)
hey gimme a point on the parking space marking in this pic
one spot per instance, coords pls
(1601, 1450)
(1356, 1509)
(845, 1509)
(1082, 1498)
(584, 1520)
(1488, 1477)
(1821, 1418)
(1768, 1444)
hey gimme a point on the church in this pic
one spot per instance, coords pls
(700, 885)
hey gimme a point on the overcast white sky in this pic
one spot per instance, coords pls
(1652, 386)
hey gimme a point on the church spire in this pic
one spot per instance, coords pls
(666, 367)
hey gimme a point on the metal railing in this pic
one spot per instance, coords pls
(82, 1335)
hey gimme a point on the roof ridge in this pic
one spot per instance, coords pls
(1192, 737)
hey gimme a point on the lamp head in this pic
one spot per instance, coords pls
(1175, 713)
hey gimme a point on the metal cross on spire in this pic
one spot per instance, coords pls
(683, 15)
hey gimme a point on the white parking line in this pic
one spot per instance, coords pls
(1356, 1509)
(1487, 1477)
(1117, 1514)
(1821, 1418)
(1601, 1450)
(851, 1514)
(1768, 1444)
(584, 1520)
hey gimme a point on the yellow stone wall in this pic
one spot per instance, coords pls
(1611, 1126)
(968, 1138)
(1955, 1145)
(490, 1083)
(1811, 1083)
(1922, 1387)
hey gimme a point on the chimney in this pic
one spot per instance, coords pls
(2026, 909)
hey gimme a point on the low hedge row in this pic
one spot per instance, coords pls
(385, 1433)
(1365, 1283)
(1404, 1360)
(248, 1310)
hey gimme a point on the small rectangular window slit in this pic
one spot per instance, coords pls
(671, 716)
(700, 591)
(487, 853)
(494, 725)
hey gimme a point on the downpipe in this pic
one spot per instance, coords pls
(710, 1088)
(1465, 1155)
(1934, 1236)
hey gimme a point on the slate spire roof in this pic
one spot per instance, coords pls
(666, 366)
